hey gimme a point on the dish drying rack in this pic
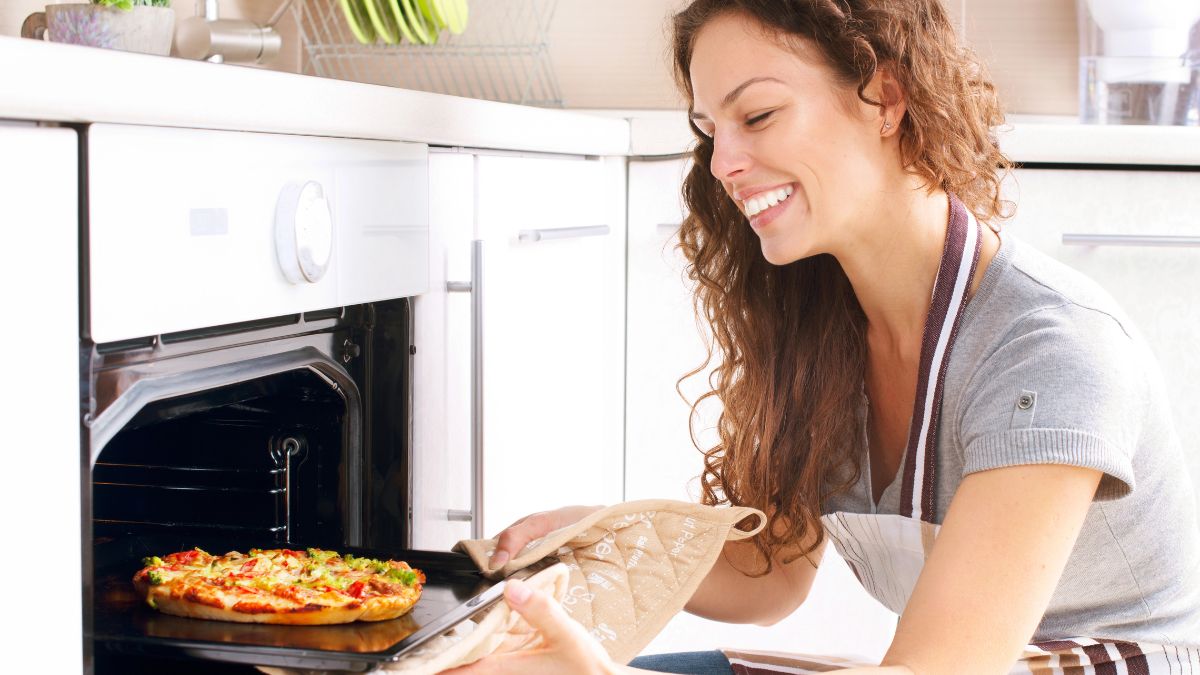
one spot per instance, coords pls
(503, 55)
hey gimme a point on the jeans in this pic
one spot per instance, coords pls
(691, 663)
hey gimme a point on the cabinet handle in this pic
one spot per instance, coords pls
(1129, 240)
(564, 233)
(475, 288)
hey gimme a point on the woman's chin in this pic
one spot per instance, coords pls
(780, 255)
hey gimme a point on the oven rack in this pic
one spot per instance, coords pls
(503, 55)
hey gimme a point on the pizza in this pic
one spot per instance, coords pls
(281, 586)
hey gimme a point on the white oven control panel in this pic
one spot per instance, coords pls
(191, 228)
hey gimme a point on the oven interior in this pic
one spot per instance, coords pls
(304, 441)
(256, 461)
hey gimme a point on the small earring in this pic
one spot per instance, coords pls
(887, 125)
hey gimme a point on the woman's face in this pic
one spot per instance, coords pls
(799, 153)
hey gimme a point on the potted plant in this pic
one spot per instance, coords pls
(146, 26)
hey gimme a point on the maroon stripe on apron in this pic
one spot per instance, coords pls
(1135, 660)
(1100, 658)
(929, 493)
(1057, 645)
(742, 669)
(943, 292)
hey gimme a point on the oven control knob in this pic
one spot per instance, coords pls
(303, 232)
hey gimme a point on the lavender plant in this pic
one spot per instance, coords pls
(130, 4)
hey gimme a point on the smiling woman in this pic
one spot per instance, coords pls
(979, 430)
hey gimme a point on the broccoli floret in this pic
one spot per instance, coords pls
(156, 577)
(321, 556)
(152, 561)
(406, 577)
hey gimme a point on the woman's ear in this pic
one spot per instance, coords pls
(886, 89)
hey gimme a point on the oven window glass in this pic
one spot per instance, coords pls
(259, 462)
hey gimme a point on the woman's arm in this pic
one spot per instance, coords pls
(998, 557)
(728, 595)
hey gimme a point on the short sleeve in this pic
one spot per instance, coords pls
(1067, 385)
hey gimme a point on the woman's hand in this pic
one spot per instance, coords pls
(516, 536)
(564, 647)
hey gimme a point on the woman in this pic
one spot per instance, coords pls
(978, 429)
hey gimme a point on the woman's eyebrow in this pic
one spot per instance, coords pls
(735, 93)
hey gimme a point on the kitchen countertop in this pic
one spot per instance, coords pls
(52, 82)
(66, 83)
(1026, 139)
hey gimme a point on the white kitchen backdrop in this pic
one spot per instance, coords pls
(588, 321)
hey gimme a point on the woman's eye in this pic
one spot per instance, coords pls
(759, 118)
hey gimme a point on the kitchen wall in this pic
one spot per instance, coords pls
(613, 54)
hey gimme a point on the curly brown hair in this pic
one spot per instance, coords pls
(792, 338)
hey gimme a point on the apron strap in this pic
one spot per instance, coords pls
(960, 256)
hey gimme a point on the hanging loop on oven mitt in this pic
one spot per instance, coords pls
(632, 566)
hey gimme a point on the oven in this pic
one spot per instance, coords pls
(246, 379)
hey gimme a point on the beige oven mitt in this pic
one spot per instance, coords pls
(632, 566)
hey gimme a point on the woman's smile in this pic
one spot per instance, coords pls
(761, 206)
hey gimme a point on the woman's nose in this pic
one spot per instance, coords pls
(729, 158)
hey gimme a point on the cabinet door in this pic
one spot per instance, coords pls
(39, 487)
(553, 232)
(1157, 286)
(441, 467)
(664, 343)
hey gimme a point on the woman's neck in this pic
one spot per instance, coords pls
(892, 266)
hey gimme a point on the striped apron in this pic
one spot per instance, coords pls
(887, 551)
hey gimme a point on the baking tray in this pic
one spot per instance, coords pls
(122, 622)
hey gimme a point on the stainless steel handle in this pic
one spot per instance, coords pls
(475, 288)
(564, 233)
(1169, 241)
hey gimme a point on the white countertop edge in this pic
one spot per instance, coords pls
(64, 83)
(1025, 139)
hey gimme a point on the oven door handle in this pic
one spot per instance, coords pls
(475, 288)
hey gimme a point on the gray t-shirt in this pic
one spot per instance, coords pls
(1037, 328)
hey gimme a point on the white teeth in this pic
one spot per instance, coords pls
(766, 200)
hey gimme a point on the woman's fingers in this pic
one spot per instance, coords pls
(515, 537)
(542, 612)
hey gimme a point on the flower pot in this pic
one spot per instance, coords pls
(148, 30)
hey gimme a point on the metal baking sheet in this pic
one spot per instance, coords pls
(453, 591)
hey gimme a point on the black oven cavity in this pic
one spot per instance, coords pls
(288, 432)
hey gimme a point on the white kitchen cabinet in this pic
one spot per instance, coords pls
(664, 342)
(441, 470)
(39, 491)
(552, 233)
(1157, 286)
